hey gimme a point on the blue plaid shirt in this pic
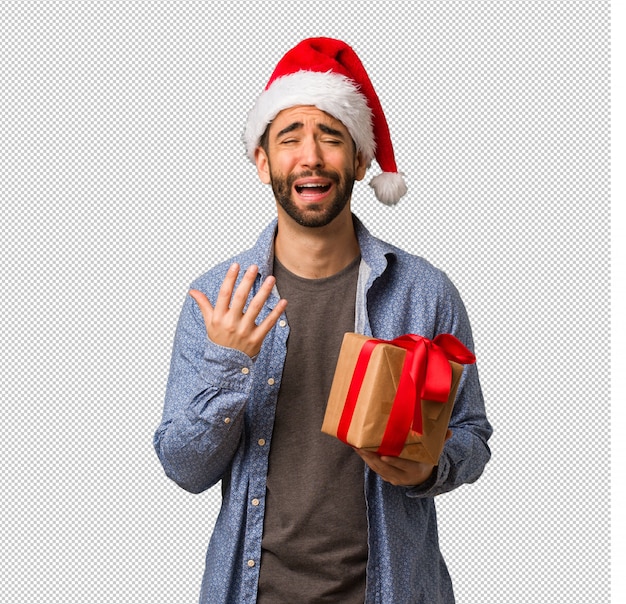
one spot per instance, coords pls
(219, 412)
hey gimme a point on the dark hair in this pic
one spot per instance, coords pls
(265, 138)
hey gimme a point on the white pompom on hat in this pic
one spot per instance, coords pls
(327, 74)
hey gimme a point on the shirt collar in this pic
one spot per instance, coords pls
(374, 252)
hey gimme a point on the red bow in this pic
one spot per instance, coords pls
(426, 374)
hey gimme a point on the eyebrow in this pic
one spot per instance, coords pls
(328, 130)
(297, 125)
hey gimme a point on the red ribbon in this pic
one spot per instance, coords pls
(426, 374)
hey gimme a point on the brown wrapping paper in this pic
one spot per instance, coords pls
(376, 399)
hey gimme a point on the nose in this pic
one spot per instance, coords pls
(311, 154)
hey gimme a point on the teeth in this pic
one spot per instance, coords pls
(313, 187)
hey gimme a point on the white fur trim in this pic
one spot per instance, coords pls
(389, 187)
(333, 93)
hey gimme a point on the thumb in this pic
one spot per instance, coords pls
(203, 303)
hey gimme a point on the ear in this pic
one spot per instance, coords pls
(262, 165)
(360, 166)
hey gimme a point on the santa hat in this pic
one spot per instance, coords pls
(328, 74)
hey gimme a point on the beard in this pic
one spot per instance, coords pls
(314, 215)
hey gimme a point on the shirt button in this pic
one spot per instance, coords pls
(270, 381)
(227, 420)
(255, 501)
(250, 563)
(261, 442)
(282, 323)
(245, 371)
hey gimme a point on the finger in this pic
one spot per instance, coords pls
(260, 298)
(266, 325)
(205, 306)
(394, 462)
(374, 461)
(243, 290)
(369, 457)
(226, 290)
(203, 302)
(384, 464)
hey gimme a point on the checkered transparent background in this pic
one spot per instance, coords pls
(123, 178)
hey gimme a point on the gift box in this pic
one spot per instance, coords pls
(395, 397)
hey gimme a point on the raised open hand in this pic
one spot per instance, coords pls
(227, 324)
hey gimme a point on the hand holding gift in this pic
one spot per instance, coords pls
(397, 470)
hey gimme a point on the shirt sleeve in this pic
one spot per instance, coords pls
(203, 413)
(466, 452)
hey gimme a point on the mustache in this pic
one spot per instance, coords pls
(334, 176)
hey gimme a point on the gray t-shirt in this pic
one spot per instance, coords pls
(314, 546)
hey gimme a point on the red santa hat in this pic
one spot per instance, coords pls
(328, 74)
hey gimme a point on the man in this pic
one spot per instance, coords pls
(304, 517)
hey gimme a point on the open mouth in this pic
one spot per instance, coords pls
(312, 189)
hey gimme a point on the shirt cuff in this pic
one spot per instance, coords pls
(226, 368)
